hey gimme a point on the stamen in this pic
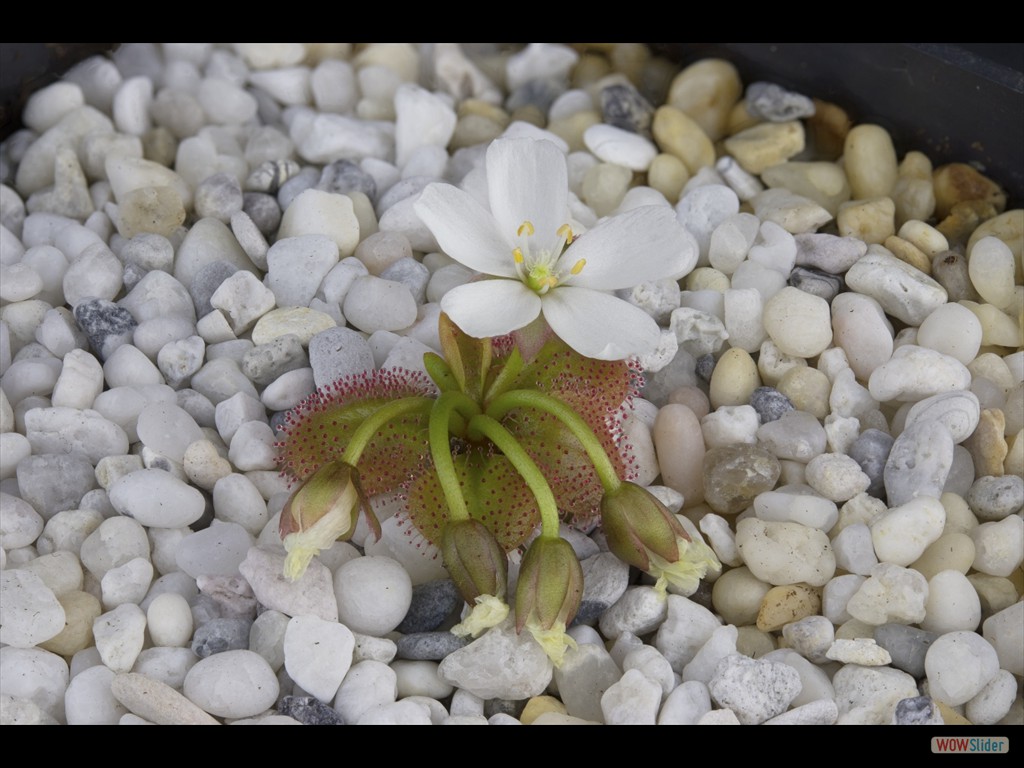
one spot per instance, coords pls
(578, 266)
(526, 227)
(517, 254)
(565, 231)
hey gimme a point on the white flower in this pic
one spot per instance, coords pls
(526, 240)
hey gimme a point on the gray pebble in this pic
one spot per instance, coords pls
(197, 406)
(218, 196)
(296, 185)
(107, 325)
(816, 282)
(410, 273)
(774, 103)
(623, 106)
(149, 251)
(133, 273)
(432, 603)
(309, 710)
(906, 645)
(219, 635)
(52, 482)
(540, 93)
(770, 404)
(265, 362)
(919, 710)
(344, 176)
(264, 211)
(429, 646)
(512, 707)
(871, 450)
(339, 352)
(705, 367)
(606, 578)
(205, 283)
(270, 175)
(949, 269)
(918, 463)
(994, 498)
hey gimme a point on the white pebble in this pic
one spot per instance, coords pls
(318, 654)
(232, 684)
(959, 665)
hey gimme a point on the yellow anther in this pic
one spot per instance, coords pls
(552, 281)
(565, 231)
(578, 266)
(517, 254)
(526, 227)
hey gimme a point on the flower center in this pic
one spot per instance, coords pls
(536, 266)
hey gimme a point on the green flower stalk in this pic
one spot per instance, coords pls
(323, 510)
(642, 532)
(548, 594)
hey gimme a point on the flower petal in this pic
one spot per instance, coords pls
(638, 246)
(465, 230)
(599, 325)
(527, 180)
(491, 307)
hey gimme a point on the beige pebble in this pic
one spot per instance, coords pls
(366, 216)
(808, 389)
(740, 119)
(707, 90)
(752, 642)
(81, 609)
(204, 465)
(1013, 464)
(798, 322)
(827, 129)
(156, 701)
(998, 329)
(693, 398)
(924, 236)
(959, 517)
(987, 444)
(668, 175)
(766, 144)
(957, 182)
(737, 596)
(787, 603)
(541, 705)
(966, 217)
(679, 443)
(996, 592)
(572, 127)
(316, 212)
(773, 363)
(604, 186)
(824, 183)
(951, 551)
(991, 268)
(914, 199)
(862, 650)
(794, 213)
(150, 210)
(908, 252)
(680, 135)
(993, 367)
(734, 379)
(871, 220)
(870, 161)
(707, 279)
(1008, 227)
(300, 321)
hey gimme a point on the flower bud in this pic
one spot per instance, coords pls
(641, 531)
(548, 593)
(322, 510)
(474, 559)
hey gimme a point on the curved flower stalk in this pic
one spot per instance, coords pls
(542, 266)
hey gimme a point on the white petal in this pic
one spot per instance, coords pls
(491, 307)
(527, 180)
(638, 246)
(599, 325)
(465, 230)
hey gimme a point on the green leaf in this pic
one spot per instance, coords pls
(469, 358)
(495, 495)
